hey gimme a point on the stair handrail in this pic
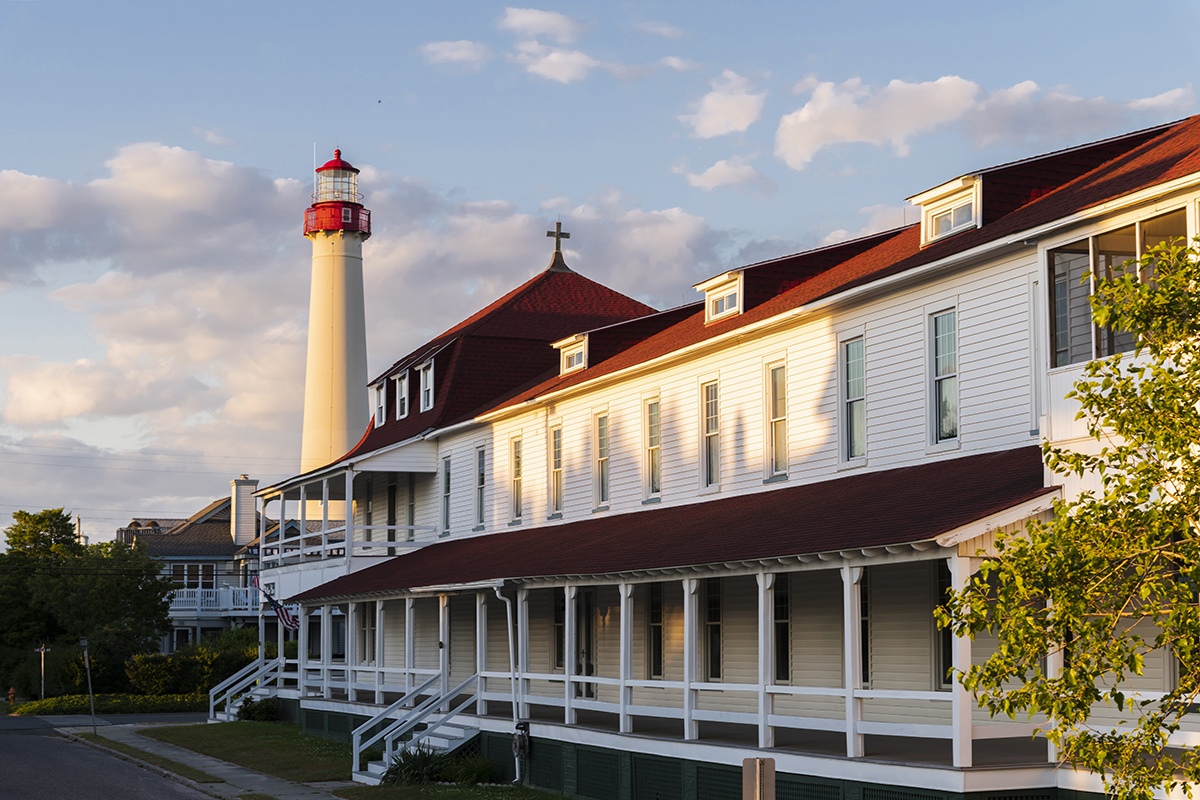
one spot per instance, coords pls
(454, 712)
(407, 698)
(419, 714)
(239, 681)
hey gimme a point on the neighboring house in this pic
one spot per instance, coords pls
(719, 532)
(210, 558)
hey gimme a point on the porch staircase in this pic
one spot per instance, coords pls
(257, 680)
(431, 724)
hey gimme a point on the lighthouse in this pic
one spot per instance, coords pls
(335, 391)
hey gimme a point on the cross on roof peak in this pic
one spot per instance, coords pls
(558, 235)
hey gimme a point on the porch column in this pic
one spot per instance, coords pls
(301, 650)
(766, 656)
(852, 656)
(349, 515)
(691, 607)
(480, 652)
(326, 648)
(961, 705)
(352, 659)
(409, 645)
(444, 646)
(522, 650)
(626, 649)
(303, 531)
(570, 653)
(380, 642)
(1055, 662)
(324, 517)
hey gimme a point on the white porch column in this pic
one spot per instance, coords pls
(626, 650)
(324, 518)
(301, 650)
(570, 653)
(481, 645)
(303, 520)
(444, 645)
(326, 648)
(766, 656)
(852, 656)
(522, 650)
(380, 642)
(691, 656)
(352, 660)
(1056, 660)
(409, 645)
(961, 704)
(349, 518)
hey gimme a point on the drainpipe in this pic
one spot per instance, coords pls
(512, 671)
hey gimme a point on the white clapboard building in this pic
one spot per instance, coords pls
(661, 543)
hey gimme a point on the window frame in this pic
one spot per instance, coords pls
(655, 641)
(380, 394)
(847, 456)
(427, 396)
(714, 642)
(401, 384)
(710, 434)
(446, 496)
(601, 465)
(936, 381)
(573, 358)
(652, 447)
(516, 477)
(781, 628)
(776, 433)
(410, 509)
(480, 486)
(557, 477)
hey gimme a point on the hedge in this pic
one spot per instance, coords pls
(113, 704)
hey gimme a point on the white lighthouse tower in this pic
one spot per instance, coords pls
(335, 391)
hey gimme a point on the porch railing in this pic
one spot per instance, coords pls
(407, 724)
(269, 675)
(218, 601)
(330, 543)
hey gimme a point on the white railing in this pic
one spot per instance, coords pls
(270, 675)
(220, 601)
(406, 724)
(330, 543)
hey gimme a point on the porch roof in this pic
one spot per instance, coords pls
(872, 509)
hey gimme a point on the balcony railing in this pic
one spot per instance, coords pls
(369, 540)
(217, 601)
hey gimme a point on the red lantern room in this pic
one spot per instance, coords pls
(336, 203)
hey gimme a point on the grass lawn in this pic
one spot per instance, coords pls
(275, 748)
(150, 758)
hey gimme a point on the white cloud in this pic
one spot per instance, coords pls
(677, 64)
(731, 106)
(878, 218)
(660, 29)
(554, 63)
(463, 53)
(853, 112)
(727, 172)
(534, 23)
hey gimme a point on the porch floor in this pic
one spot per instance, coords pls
(1022, 751)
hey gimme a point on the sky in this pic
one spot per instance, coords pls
(157, 159)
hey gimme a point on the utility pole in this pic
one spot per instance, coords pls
(43, 650)
(83, 642)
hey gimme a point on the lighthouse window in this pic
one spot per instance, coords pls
(346, 215)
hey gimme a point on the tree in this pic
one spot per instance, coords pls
(53, 590)
(1113, 576)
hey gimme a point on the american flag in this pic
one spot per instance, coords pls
(285, 617)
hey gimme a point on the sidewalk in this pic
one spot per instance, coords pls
(238, 780)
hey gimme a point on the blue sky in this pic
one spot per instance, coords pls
(158, 159)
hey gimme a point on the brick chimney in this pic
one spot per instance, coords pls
(242, 519)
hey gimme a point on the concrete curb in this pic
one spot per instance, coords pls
(203, 788)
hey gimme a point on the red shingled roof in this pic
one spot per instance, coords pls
(874, 509)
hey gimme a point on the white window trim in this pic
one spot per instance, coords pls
(425, 375)
(601, 462)
(932, 310)
(401, 384)
(574, 358)
(720, 288)
(380, 394)
(556, 504)
(843, 442)
(703, 434)
(516, 477)
(480, 465)
(769, 418)
(946, 198)
(648, 449)
(446, 498)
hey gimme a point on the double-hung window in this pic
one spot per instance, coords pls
(601, 460)
(380, 404)
(653, 448)
(402, 396)
(854, 399)
(515, 478)
(410, 509)
(425, 372)
(777, 443)
(710, 434)
(446, 495)
(480, 484)
(654, 631)
(782, 616)
(712, 629)
(944, 332)
(556, 470)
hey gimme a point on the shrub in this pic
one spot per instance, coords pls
(114, 704)
(263, 710)
(470, 770)
(419, 765)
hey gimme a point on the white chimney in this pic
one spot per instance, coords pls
(242, 519)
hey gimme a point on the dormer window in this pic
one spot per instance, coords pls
(572, 353)
(722, 296)
(380, 405)
(425, 371)
(401, 395)
(950, 208)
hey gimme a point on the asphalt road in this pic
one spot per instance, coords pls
(37, 764)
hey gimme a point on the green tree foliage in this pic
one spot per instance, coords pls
(1113, 576)
(54, 589)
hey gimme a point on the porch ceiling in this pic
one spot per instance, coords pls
(874, 509)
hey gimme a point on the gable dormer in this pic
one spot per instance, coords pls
(572, 353)
(951, 208)
(722, 295)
